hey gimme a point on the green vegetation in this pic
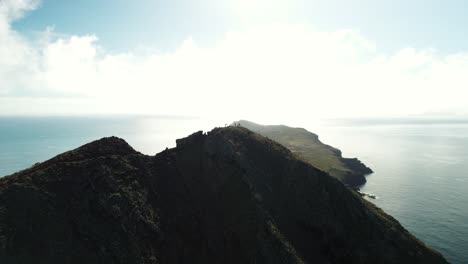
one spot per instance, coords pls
(307, 146)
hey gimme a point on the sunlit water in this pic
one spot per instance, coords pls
(25, 141)
(421, 177)
(421, 171)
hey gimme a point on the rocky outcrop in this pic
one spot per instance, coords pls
(229, 196)
(350, 171)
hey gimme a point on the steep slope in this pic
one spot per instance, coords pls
(229, 196)
(307, 145)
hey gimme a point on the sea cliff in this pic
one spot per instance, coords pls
(306, 145)
(226, 196)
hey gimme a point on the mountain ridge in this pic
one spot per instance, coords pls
(308, 146)
(226, 196)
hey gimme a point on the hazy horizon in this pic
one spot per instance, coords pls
(259, 60)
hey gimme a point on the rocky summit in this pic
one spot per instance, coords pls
(228, 196)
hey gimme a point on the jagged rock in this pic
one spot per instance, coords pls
(229, 196)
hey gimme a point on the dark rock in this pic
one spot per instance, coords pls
(229, 196)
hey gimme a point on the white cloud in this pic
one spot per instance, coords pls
(13, 48)
(14, 9)
(270, 72)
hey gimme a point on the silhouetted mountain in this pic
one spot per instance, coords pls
(229, 196)
(307, 146)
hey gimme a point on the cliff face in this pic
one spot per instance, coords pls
(307, 145)
(229, 196)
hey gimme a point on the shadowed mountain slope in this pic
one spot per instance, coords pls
(307, 145)
(229, 196)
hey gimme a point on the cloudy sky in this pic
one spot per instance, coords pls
(237, 58)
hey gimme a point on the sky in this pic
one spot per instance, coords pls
(253, 59)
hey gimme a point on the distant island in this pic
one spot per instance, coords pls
(307, 146)
(226, 196)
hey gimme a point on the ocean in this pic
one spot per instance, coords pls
(420, 176)
(420, 168)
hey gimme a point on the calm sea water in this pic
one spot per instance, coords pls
(421, 176)
(421, 170)
(25, 141)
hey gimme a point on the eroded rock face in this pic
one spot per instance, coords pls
(229, 196)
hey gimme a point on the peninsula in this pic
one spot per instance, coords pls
(350, 171)
(226, 196)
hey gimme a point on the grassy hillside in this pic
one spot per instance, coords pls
(308, 147)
